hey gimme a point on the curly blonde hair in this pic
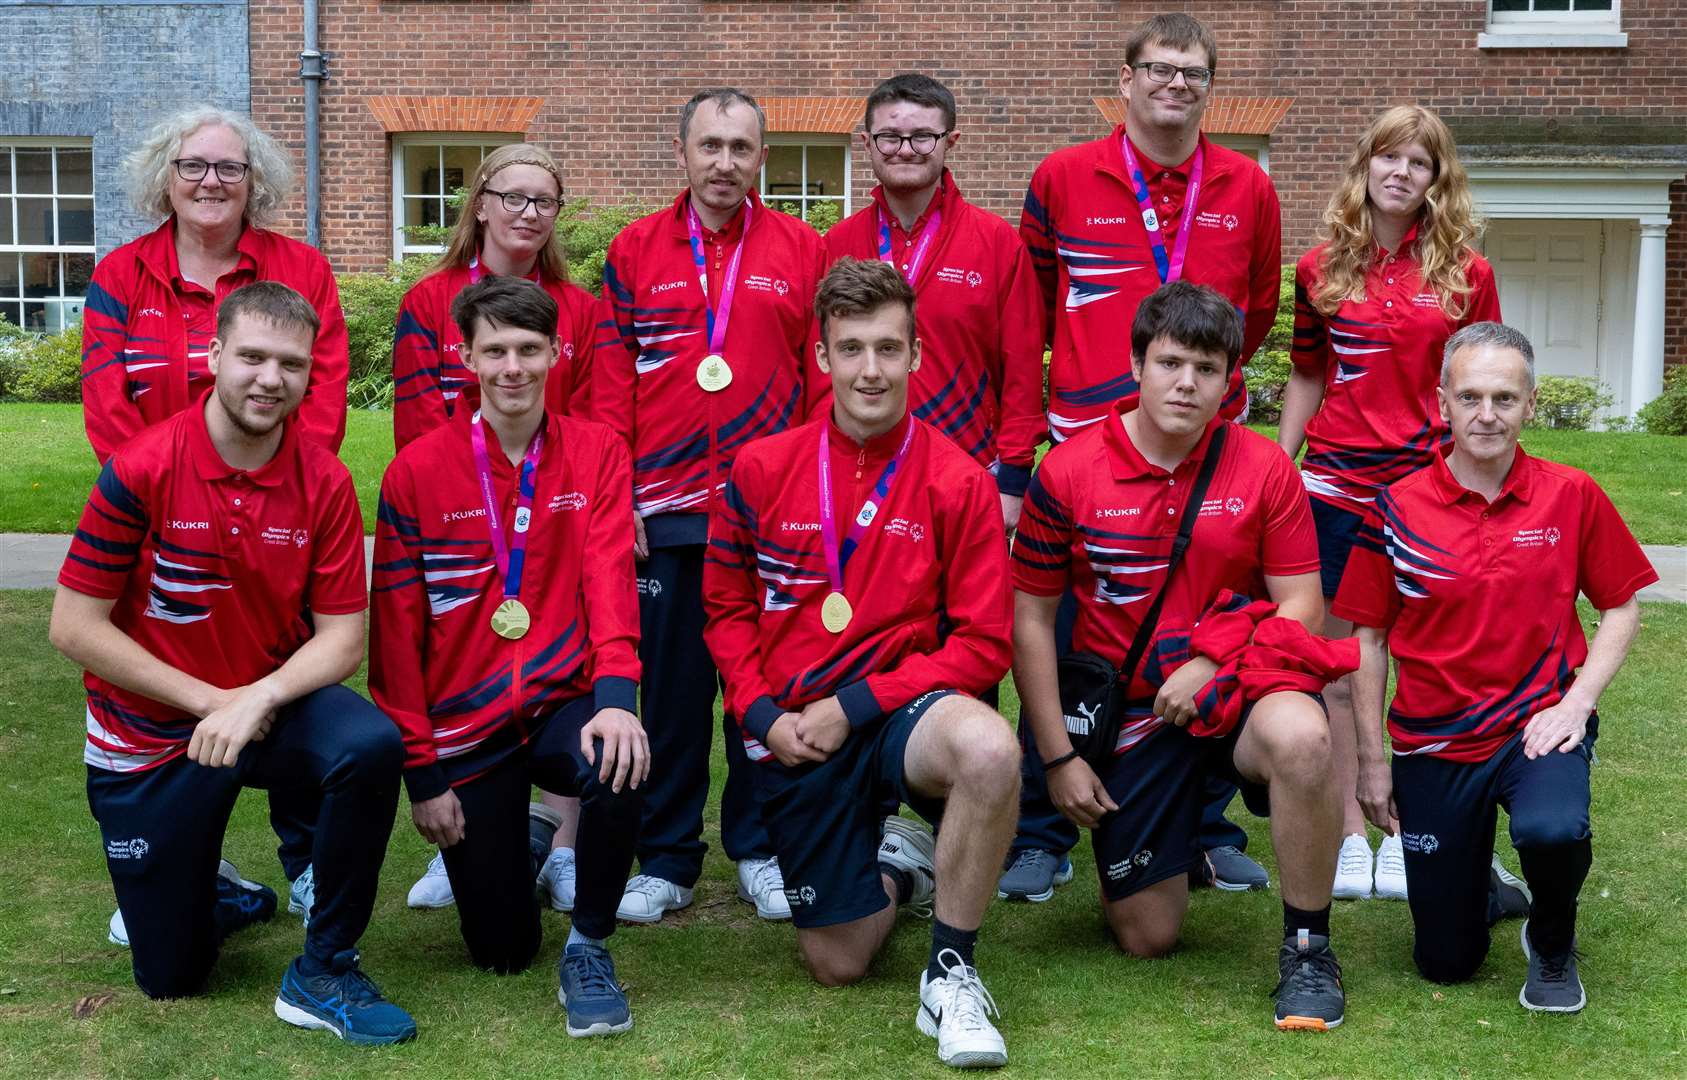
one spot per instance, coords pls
(467, 233)
(151, 172)
(1448, 228)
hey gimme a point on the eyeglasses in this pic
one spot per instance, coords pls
(923, 142)
(1164, 73)
(517, 203)
(193, 170)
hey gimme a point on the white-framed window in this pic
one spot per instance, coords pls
(427, 171)
(808, 174)
(1553, 24)
(1257, 147)
(46, 230)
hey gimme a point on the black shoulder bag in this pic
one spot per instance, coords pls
(1092, 691)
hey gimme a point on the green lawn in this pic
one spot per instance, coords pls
(717, 994)
(50, 469)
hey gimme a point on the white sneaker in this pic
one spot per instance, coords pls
(1353, 869)
(556, 878)
(760, 883)
(118, 934)
(648, 898)
(909, 846)
(955, 1010)
(432, 889)
(1391, 869)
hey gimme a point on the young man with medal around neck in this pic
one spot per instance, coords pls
(505, 647)
(857, 595)
(709, 349)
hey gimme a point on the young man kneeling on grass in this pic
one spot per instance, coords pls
(1467, 571)
(215, 591)
(856, 584)
(505, 647)
(1101, 518)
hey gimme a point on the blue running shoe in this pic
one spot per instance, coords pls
(240, 903)
(301, 896)
(590, 992)
(343, 1000)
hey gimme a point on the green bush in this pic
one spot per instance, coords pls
(41, 368)
(1667, 413)
(1268, 372)
(370, 302)
(1568, 403)
(586, 232)
(821, 216)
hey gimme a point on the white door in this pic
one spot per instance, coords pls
(1551, 289)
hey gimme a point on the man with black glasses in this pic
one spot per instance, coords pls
(1107, 223)
(980, 379)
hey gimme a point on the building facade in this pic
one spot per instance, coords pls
(1570, 115)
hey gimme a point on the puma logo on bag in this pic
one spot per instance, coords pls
(1081, 724)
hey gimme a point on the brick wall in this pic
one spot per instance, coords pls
(1023, 71)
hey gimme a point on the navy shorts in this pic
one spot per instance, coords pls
(825, 818)
(1160, 788)
(1338, 528)
(1447, 820)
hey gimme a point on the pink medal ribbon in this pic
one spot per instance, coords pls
(511, 555)
(717, 319)
(1169, 269)
(837, 556)
(927, 235)
(476, 273)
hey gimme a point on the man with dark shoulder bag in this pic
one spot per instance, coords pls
(1165, 520)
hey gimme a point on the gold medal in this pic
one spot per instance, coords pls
(714, 374)
(835, 613)
(511, 620)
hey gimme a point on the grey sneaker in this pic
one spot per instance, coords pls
(1309, 992)
(910, 847)
(1508, 895)
(301, 895)
(1231, 870)
(1553, 984)
(1032, 874)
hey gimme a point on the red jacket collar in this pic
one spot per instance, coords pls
(1113, 157)
(678, 215)
(1126, 460)
(947, 193)
(157, 249)
(878, 448)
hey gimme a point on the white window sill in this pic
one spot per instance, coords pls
(1582, 39)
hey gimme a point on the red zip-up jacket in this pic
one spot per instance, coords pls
(134, 346)
(933, 608)
(979, 310)
(435, 666)
(1084, 230)
(430, 383)
(644, 382)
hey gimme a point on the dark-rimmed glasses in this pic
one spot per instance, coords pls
(517, 203)
(1199, 77)
(889, 143)
(193, 170)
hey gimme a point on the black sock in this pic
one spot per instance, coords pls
(1313, 922)
(903, 879)
(945, 937)
(1555, 875)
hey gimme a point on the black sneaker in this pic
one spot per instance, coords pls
(1309, 995)
(1508, 894)
(1226, 867)
(1553, 984)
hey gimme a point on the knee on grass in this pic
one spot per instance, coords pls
(1450, 962)
(1146, 939)
(831, 967)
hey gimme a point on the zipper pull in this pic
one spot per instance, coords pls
(860, 461)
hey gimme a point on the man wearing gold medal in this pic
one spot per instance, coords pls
(502, 660)
(710, 348)
(857, 595)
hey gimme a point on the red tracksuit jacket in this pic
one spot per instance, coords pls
(929, 583)
(134, 346)
(980, 315)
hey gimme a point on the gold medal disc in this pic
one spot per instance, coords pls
(511, 620)
(835, 613)
(714, 374)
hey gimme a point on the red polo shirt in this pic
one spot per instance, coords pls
(644, 379)
(214, 570)
(430, 383)
(1090, 249)
(1479, 598)
(1380, 359)
(435, 666)
(980, 325)
(928, 583)
(1099, 519)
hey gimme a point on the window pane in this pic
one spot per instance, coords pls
(421, 170)
(78, 271)
(1511, 5)
(35, 221)
(5, 169)
(5, 221)
(1593, 5)
(417, 211)
(460, 164)
(35, 169)
(76, 221)
(826, 170)
(9, 264)
(784, 171)
(1552, 5)
(9, 312)
(76, 172)
(452, 213)
(41, 275)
